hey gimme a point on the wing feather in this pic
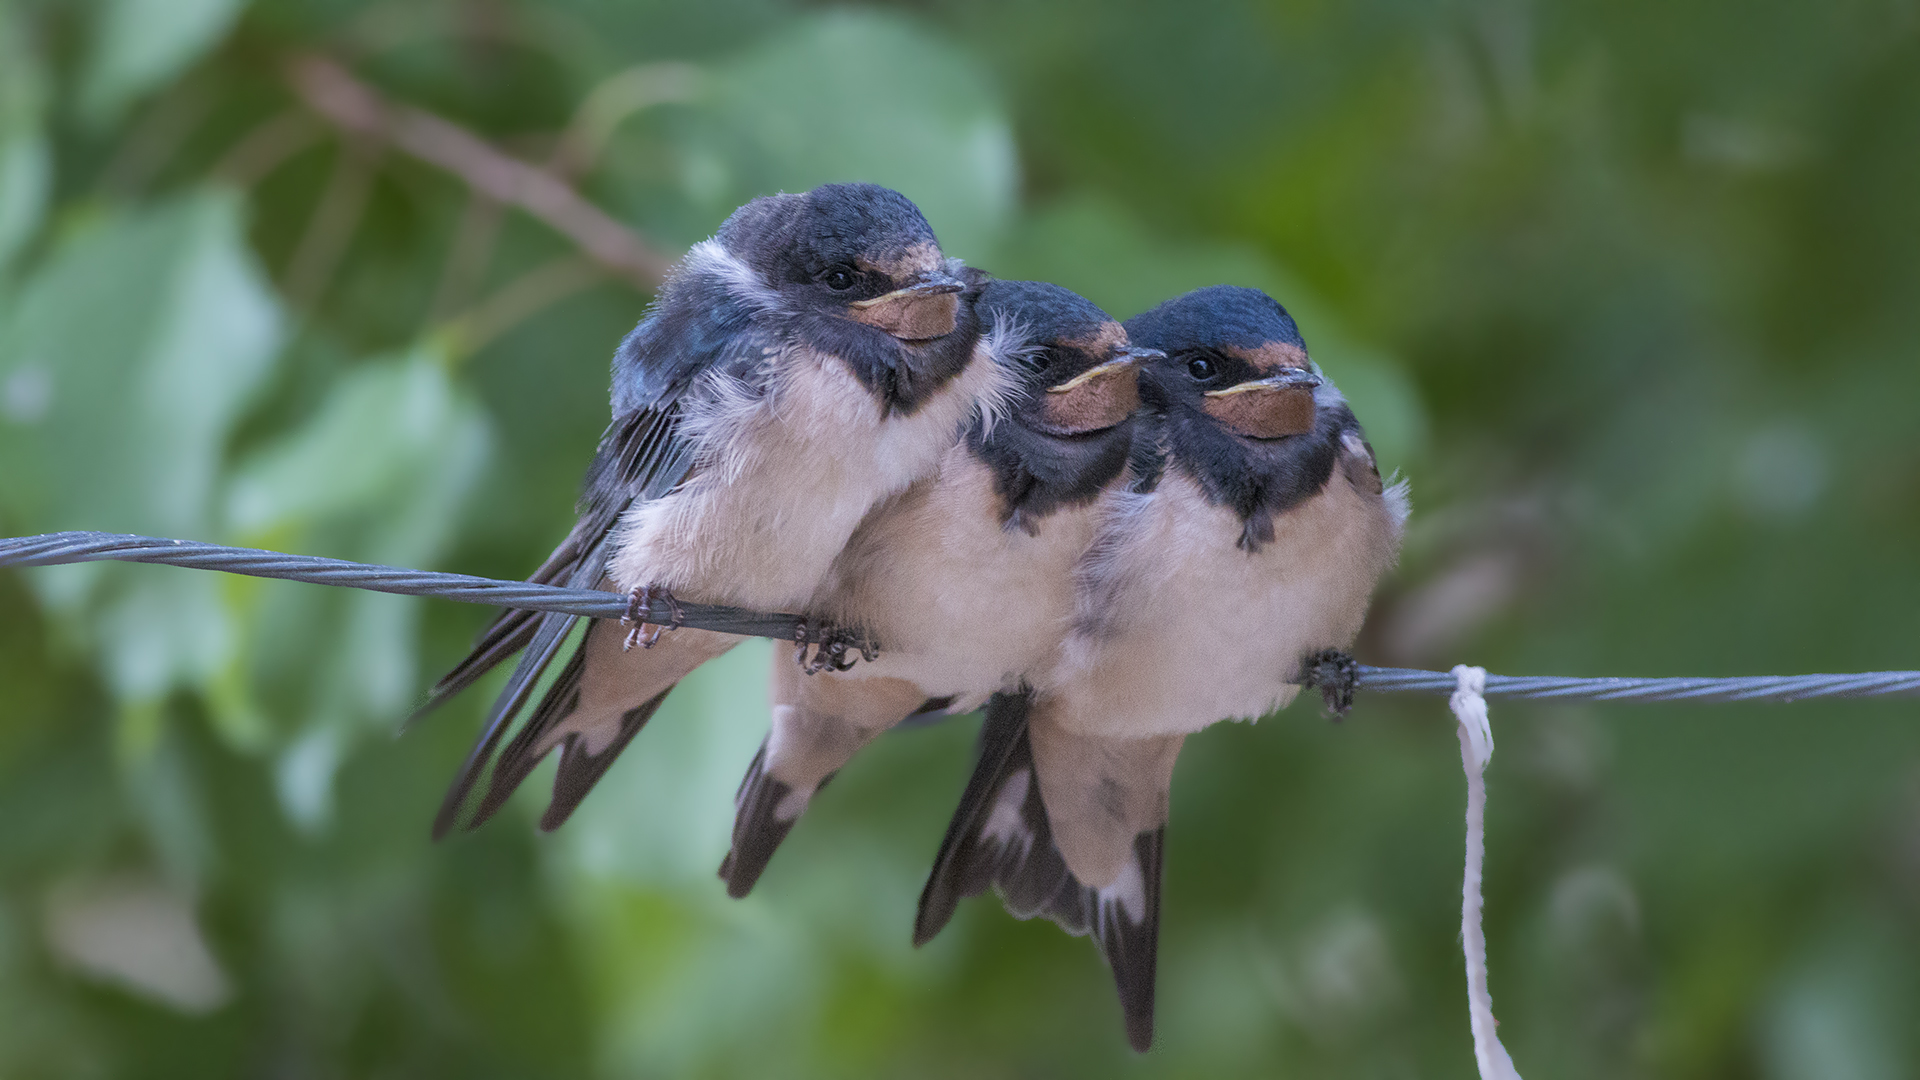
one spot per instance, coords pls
(643, 455)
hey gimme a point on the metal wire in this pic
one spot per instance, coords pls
(53, 549)
(71, 547)
(1747, 688)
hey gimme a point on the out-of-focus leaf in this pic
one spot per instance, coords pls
(378, 473)
(127, 362)
(139, 45)
(149, 332)
(26, 163)
(140, 934)
(1099, 250)
(390, 434)
(859, 95)
(26, 173)
(1839, 1016)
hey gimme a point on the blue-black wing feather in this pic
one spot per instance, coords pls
(643, 455)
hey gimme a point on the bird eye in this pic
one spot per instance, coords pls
(839, 278)
(1200, 368)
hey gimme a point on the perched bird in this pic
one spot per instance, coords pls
(1250, 536)
(965, 577)
(813, 358)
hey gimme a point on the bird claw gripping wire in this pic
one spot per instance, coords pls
(639, 606)
(833, 651)
(1335, 674)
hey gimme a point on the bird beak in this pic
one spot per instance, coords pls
(1095, 399)
(1289, 378)
(1092, 373)
(927, 308)
(1129, 357)
(934, 283)
(1267, 408)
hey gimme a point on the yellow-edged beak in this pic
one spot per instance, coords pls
(935, 283)
(1284, 379)
(1128, 357)
(1269, 408)
(928, 308)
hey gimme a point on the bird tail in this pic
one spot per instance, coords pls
(758, 826)
(1000, 837)
(549, 636)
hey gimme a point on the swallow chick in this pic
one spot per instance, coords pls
(1251, 534)
(966, 576)
(812, 359)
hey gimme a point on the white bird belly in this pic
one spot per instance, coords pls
(1179, 628)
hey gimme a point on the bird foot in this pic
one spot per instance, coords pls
(639, 606)
(833, 646)
(1335, 674)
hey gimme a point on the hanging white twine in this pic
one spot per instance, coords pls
(1476, 748)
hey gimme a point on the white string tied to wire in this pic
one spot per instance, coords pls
(1469, 706)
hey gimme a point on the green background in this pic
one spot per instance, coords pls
(1629, 291)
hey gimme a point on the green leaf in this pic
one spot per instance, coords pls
(857, 95)
(139, 45)
(147, 335)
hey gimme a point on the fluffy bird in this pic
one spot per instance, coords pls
(812, 359)
(965, 577)
(1250, 536)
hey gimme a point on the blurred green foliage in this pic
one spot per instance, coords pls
(1628, 291)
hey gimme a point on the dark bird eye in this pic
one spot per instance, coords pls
(1200, 368)
(839, 279)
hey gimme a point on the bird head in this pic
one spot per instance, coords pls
(858, 252)
(1234, 361)
(857, 272)
(1076, 372)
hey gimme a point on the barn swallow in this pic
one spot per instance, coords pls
(1250, 535)
(812, 359)
(965, 578)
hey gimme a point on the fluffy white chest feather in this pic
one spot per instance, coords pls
(1178, 628)
(961, 605)
(781, 480)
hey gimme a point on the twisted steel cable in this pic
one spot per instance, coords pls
(71, 547)
(1745, 688)
(52, 549)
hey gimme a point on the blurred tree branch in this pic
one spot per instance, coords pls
(268, 146)
(360, 111)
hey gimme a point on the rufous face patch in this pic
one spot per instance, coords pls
(1095, 400)
(909, 316)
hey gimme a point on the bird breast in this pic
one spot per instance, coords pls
(960, 604)
(1176, 627)
(784, 472)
